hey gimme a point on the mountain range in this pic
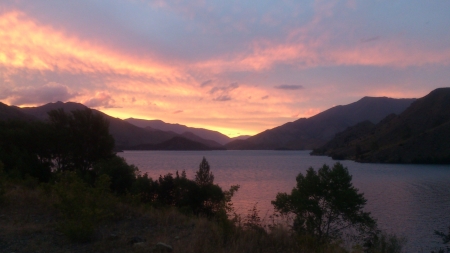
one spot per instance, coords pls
(327, 132)
(313, 132)
(126, 135)
(420, 134)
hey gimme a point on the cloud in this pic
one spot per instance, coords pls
(265, 97)
(222, 98)
(206, 83)
(179, 111)
(50, 92)
(101, 99)
(289, 87)
(370, 39)
(222, 93)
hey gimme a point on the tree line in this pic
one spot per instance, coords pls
(79, 142)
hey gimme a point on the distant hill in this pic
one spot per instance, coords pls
(313, 132)
(176, 143)
(124, 133)
(12, 112)
(420, 134)
(181, 129)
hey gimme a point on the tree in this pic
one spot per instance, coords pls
(325, 204)
(80, 139)
(203, 176)
(121, 174)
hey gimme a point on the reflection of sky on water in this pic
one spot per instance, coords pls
(409, 200)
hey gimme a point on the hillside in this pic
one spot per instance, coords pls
(181, 129)
(313, 132)
(421, 134)
(12, 112)
(124, 133)
(176, 143)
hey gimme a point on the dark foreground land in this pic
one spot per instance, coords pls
(31, 222)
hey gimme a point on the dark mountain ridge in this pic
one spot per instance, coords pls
(177, 143)
(420, 134)
(181, 129)
(126, 135)
(313, 132)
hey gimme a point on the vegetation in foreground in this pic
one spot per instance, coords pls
(76, 195)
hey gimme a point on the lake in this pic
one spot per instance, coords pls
(408, 200)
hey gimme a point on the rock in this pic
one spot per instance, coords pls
(140, 245)
(113, 237)
(135, 239)
(162, 247)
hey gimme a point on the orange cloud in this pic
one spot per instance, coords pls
(26, 44)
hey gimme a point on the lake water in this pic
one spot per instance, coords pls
(408, 200)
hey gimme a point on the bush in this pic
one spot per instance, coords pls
(325, 204)
(82, 207)
(121, 174)
(381, 242)
(2, 183)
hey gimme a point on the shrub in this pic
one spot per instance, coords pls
(381, 242)
(325, 204)
(121, 174)
(82, 207)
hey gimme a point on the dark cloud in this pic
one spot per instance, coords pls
(265, 97)
(226, 89)
(222, 93)
(222, 98)
(179, 111)
(50, 92)
(206, 83)
(370, 39)
(101, 99)
(289, 87)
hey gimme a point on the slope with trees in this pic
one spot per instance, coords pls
(421, 134)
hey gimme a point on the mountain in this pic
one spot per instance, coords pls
(181, 129)
(176, 143)
(124, 133)
(420, 134)
(313, 132)
(240, 137)
(12, 112)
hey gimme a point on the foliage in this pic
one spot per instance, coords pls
(445, 240)
(199, 197)
(445, 237)
(203, 176)
(381, 242)
(81, 138)
(24, 149)
(82, 207)
(325, 204)
(2, 182)
(121, 174)
(253, 220)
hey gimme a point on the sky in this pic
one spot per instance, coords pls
(238, 67)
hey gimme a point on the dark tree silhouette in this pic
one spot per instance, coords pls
(203, 176)
(81, 139)
(325, 204)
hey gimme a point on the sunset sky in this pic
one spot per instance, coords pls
(238, 67)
